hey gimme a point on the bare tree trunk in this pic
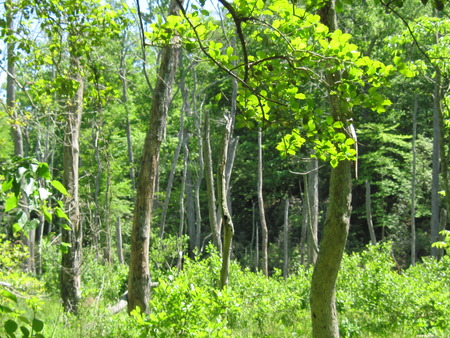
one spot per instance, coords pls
(107, 253)
(413, 186)
(210, 185)
(228, 226)
(176, 155)
(313, 207)
(190, 208)
(71, 259)
(262, 216)
(373, 239)
(201, 168)
(337, 221)
(435, 210)
(286, 239)
(139, 275)
(96, 224)
(119, 241)
(182, 208)
(123, 79)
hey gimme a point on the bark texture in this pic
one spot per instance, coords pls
(139, 274)
(262, 215)
(337, 221)
(71, 260)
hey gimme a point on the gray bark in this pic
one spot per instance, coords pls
(313, 207)
(214, 225)
(373, 239)
(71, 260)
(139, 276)
(119, 241)
(262, 216)
(286, 239)
(228, 227)
(435, 209)
(413, 186)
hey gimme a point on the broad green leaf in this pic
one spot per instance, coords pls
(58, 186)
(6, 185)
(17, 228)
(38, 325)
(5, 293)
(25, 332)
(10, 326)
(44, 171)
(11, 203)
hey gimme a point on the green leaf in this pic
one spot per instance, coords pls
(44, 171)
(16, 228)
(25, 332)
(8, 295)
(61, 214)
(7, 185)
(58, 186)
(218, 97)
(64, 247)
(338, 124)
(11, 203)
(66, 227)
(10, 326)
(38, 325)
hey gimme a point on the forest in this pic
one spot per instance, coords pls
(262, 168)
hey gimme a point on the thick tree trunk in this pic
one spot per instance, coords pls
(262, 216)
(373, 239)
(337, 221)
(71, 259)
(139, 274)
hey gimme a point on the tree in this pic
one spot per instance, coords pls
(139, 275)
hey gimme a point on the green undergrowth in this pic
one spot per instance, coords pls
(374, 299)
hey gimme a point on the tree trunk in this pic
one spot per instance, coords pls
(123, 79)
(71, 259)
(313, 207)
(201, 168)
(119, 241)
(435, 210)
(228, 227)
(337, 221)
(373, 239)
(413, 186)
(210, 185)
(262, 216)
(286, 239)
(96, 224)
(107, 251)
(139, 274)
(176, 155)
(182, 208)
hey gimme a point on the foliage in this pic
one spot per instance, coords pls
(28, 179)
(20, 294)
